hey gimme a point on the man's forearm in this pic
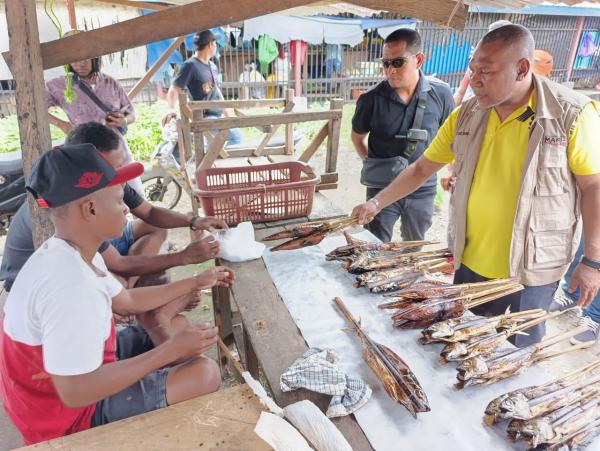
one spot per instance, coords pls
(145, 299)
(360, 144)
(139, 265)
(172, 98)
(57, 121)
(87, 389)
(166, 219)
(590, 199)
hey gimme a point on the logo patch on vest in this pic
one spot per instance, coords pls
(459, 133)
(555, 140)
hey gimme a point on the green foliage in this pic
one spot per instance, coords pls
(145, 134)
(9, 134)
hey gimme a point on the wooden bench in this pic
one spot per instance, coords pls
(222, 420)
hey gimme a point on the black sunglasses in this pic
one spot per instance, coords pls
(396, 63)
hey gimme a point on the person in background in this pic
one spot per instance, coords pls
(527, 158)
(200, 76)
(392, 125)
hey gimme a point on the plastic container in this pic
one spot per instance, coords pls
(270, 192)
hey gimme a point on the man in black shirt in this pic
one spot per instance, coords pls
(200, 76)
(399, 117)
(142, 238)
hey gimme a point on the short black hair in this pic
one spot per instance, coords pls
(102, 137)
(203, 38)
(511, 34)
(408, 35)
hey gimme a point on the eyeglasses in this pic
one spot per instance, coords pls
(396, 63)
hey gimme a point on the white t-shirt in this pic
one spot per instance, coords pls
(59, 303)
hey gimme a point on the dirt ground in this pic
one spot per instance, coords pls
(348, 194)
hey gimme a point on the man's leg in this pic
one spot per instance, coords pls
(383, 224)
(565, 299)
(147, 240)
(415, 217)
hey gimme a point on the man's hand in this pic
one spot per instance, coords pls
(201, 250)
(116, 120)
(193, 340)
(588, 281)
(168, 117)
(220, 276)
(447, 183)
(365, 212)
(209, 223)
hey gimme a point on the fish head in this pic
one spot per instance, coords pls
(516, 406)
(537, 431)
(441, 330)
(471, 367)
(453, 351)
(494, 405)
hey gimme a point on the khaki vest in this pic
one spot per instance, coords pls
(547, 225)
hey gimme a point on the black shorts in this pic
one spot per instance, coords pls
(149, 393)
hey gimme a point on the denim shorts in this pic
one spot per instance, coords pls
(125, 241)
(149, 393)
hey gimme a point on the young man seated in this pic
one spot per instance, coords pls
(134, 252)
(63, 366)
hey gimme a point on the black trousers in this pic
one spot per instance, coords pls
(527, 299)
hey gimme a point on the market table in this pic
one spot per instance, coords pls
(271, 339)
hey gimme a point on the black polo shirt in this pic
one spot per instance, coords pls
(382, 114)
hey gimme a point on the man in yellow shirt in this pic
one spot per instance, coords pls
(527, 159)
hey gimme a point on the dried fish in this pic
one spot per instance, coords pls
(398, 380)
(312, 234)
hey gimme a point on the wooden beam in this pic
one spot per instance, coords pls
(264, 119)
(157, 65)
(254, 103)
(32, 111)
(315, 144)
(442, 12)
(72, 14)
(137, 5)
(165, 24)
(268, 136)
(333, 137)
(289, 128)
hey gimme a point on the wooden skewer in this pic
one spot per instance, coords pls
(550, 355)
(237, 365)
(549, 341)
(536, 321)
(491, 294)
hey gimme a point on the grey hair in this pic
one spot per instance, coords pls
(512, 35)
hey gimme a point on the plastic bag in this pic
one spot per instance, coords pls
(238, 244)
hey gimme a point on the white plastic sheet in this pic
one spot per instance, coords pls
(307, 284)
(238, 244)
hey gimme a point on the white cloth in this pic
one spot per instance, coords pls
(314, 30)
(58, 302)
(237, 244)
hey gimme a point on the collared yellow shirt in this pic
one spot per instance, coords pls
(496, 183)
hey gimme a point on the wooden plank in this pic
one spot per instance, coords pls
(72, 14)
(276, 340)
(289, 128)
(30, 94)
(141, 84)
(231, 163)
(252, 103)
(333, 139)
(136, 4)
(330, 177)
(257, 161)
(265, 119)
(315, 144)
(261, 146)
(249, 151)
(222, 420)
(213, 150)
(165, 24)
(281, 158)
(324, 186)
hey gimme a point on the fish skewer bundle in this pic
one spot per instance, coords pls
(309, 234)
(398, 380)
(424, 314)
(432, 288)
(486, 369)
(355, 247)
(477, 344)
(379, 260)
(403, 275)
(466, 327)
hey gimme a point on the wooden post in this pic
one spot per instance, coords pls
(298, 67)
(157, 65)
(333, 140)
(574, 46)
(32, 111)
(245, 92)
(72, 15)
(199, 145)
(289, 128)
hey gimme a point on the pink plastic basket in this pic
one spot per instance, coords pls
(269, 192)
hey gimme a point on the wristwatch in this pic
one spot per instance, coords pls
(376, 202)
(591, 263)
(191, 222)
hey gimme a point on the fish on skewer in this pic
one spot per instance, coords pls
(462, 350)
(491, 368)
(424, 314)
(376, 261)
(398, 380)
(507, 405)
(306, 237)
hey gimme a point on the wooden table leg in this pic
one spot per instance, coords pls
(251, 358)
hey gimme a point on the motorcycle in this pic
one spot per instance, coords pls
(12, 187)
